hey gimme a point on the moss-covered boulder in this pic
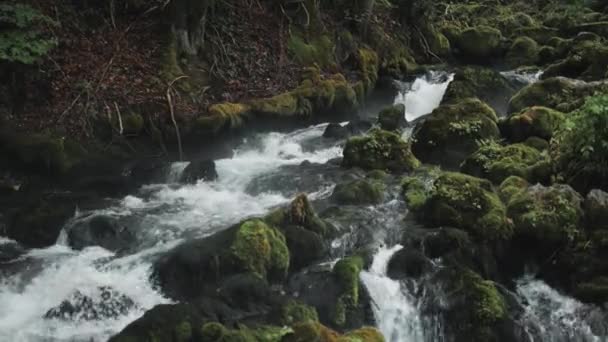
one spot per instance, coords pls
(496, 163)
(511, 186)
(523, 52)
(197, 266)
(392, 118)
(479, 44)
(596, 209)
(545, 218)
(360, 191)
(415, 192)
(541, 122)
(484, 83)
(587, 60)
(216, 332)
(379, 150)
(557, 93)
(346, 272)
(580, 150)
(468, 203)
(451, 132)
(307, 332)
(293, 312)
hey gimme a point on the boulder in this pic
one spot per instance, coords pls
(523, 52)
(452, 132)
(392, 118)
(199, 170)
(103, 231)
(497, 163)
(336, 131)
(486, 84)
(408, 264)
(107, 303)
(545, 217)
(596, 209)
(358, 192)
(587, 60)
(379, 150)
(480, 44)
(541, 122)
(305, 246)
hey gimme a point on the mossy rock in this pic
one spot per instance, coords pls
(437, 42)
(511, 186)
(346, 272)
(379, 150)
(480, 43)
(316, 51)
(587, 60)
(467, 203)
(497, 163)
(359, 192)
(556, 93)
(451, 132)
(299, 213)
(221, 116)
(537, 143)
(523, 52)
(305, 246)
(415, 192)
(541, 122)
(365, 334)
(261, 249)
(484, 83)
(329, 95)
(392, 118)
(546, 217)
(539, 33)
(216, 332)
(596, 209)
(369, 64)
(293, 312)
(283, 105)
(133, 124)
(447, 241)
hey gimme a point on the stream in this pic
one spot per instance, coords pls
(108, 290)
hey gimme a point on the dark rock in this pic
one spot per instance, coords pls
(199, 170)
(336, 131)
(9, 250)
(392, 118)
(596, 209)
(408, 263)
(103, 231)
(359, 192)
(106, 304)
(147, 171)
(38, 224)
(305, 246)
(359, 126)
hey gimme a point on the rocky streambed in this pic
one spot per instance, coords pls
(338, 232)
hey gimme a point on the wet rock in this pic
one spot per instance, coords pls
(359, 126)
(497, 163)
(195, 267)
(9, 250)
(557, 93)
(199, 170)
(596, 209)
(336, 131)
(379, 150)
(148, 171)
(38, 224)
(452, 132)
(523, 52)
(587, 60)
(408, 264)
(447, 241)
(105, 304)
(534, 121)
(358, 192)
(103, 231)
(486, 84)
(479, 44)
(305, 246)
(545, 218)
(392, 118)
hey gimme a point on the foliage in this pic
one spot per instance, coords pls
(580, 149)
(21, 38)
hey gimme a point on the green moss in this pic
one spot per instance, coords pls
(467, 203)
(479, 43)
(365, 334)
(550, 216)
(391, 118)
(368, 66)
(170, 68)
(523, 51)
(359, 191)
(512, 186)
(474, 82)
(415, 192)
(285, 104)
(496, 162)
(294, 312)
(317, 50)
(379, 150)
(452, 132)
(346, 271)
(223, 115)
(133, 124)
(489, 306)
(216, 332)
(587, 60)
(261, 249)
(183, 332)
(311, 331)
(213, 332)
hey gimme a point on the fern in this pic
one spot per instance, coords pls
(21, 38)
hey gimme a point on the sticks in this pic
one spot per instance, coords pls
(172, 112)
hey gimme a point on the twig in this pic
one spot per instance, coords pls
(172, 112)
(120, 126)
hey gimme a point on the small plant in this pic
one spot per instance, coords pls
(21, 37)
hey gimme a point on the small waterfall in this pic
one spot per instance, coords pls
(175, 171)
(395, 311)
(553, 317)
(424, 95)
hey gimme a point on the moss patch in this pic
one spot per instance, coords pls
(359, 191)
(534, 121)
(379, 150)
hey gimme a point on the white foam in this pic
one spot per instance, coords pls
(424, 96)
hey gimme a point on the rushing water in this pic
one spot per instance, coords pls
(265, 171)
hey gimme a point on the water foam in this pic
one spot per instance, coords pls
(425, 94)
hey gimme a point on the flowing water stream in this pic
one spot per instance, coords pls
(113, 288)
